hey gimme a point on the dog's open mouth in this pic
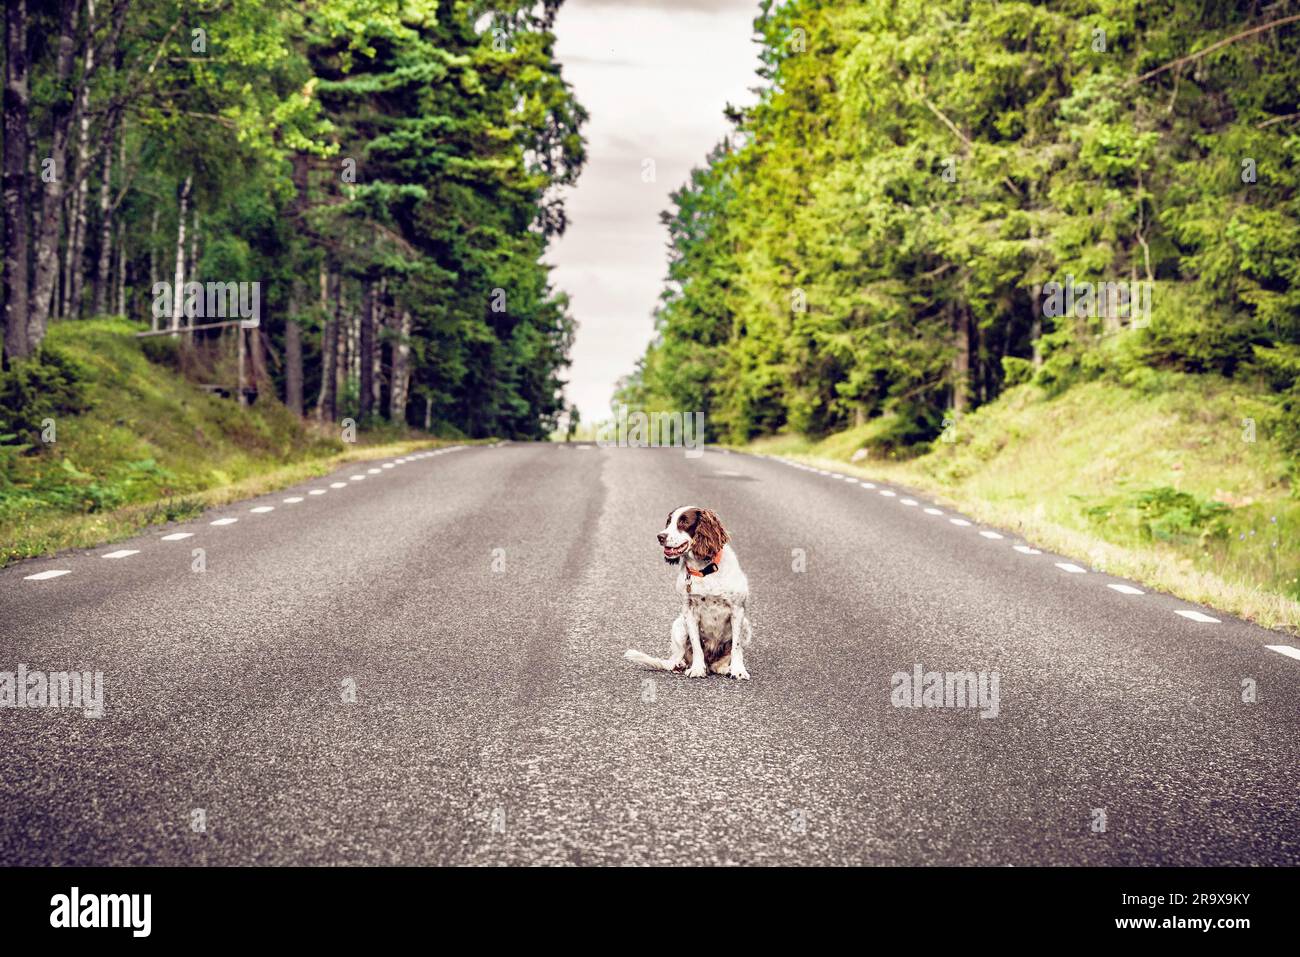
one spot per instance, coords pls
(675, 551)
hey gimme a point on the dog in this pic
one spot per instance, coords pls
(713, 627)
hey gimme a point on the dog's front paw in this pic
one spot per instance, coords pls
(696, 670)
(738, 671)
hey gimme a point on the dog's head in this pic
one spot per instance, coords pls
(694, 529)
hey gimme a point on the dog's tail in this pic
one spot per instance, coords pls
(643, 659)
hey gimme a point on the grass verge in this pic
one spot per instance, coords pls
(106, 436)
(1175, 484)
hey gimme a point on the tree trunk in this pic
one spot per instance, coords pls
(103, 280)
(328, 350)
(178, 288)
(398, 391)
(121, 268)
(293, 355)
(1036, 327)
(153, 258)
(193, 271)
(367, 351)
(257, 346)
(354, 344)
(80, 197)
(377, 370)
(52, 195)
(961, 362)
(345, 348)
(16, 99)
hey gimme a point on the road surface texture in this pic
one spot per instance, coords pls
(476, 603)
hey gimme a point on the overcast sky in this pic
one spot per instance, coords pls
(655, 76)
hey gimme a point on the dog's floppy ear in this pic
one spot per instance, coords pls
(709, 535)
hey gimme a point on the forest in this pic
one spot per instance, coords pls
(885, 235)
(384, 175)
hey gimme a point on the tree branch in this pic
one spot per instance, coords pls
(1212, 47)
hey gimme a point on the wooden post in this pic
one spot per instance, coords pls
(243, 399)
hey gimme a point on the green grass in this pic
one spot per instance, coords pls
(1156, 483)
(151, 447)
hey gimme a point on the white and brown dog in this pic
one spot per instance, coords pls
(713, 627)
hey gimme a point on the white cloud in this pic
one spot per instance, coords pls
(655, 78)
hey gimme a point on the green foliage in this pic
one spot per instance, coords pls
(128, 431)
(46, 387)
(1016, 371)
(461, 134)
(872, 239)
(1166, 514)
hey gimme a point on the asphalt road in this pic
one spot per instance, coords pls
(478, 603)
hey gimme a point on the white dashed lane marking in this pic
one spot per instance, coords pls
(389, 465)
(1070, 567)
(1285, 650)
(258, 510)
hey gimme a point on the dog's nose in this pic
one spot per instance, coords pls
(663, 537)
